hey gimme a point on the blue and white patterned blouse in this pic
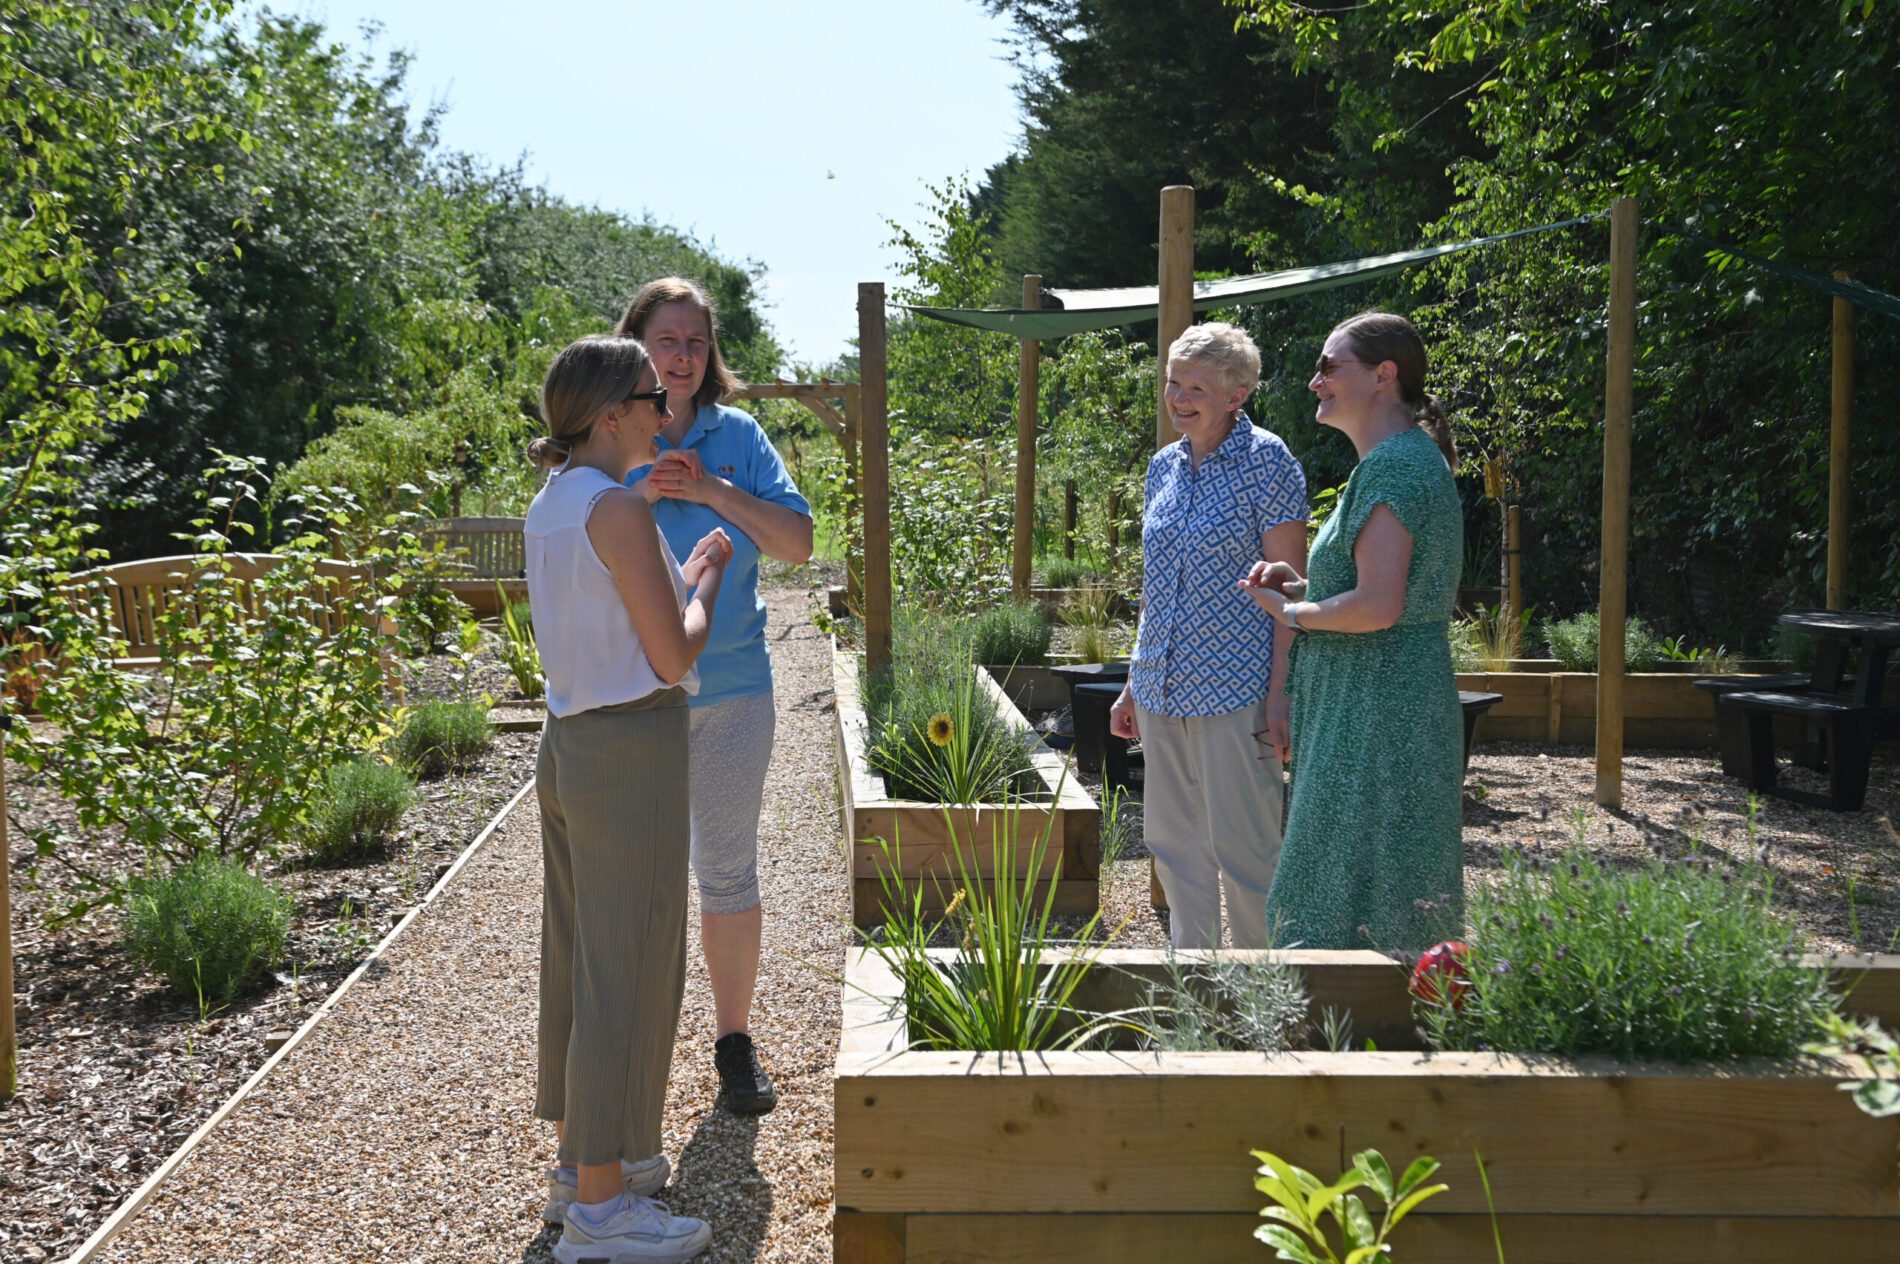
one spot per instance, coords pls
(1204, 647)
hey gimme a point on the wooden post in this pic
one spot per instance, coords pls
(1837, 480)
(1613, 597)
(853, 504)
(9, 1044)
(1514, 567)
(1028, 392)
(1175, 309)
(874, 436)
(1069, 507)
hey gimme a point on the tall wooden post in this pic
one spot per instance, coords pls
(9, 1043)
(875, 440)
(1069, 507)
(853, 503)
(1838, 485)
(1028, 392)
(1613, 598)
(1175, 308)
(1514, 569)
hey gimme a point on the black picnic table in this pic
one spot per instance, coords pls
(1841, 718)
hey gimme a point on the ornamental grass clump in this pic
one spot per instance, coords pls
(1012, 634)
(1009, 982)
(363, 802)
(439, 737)
(208, 926)
(1682, 961)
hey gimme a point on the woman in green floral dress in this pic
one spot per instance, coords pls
(1374, 850)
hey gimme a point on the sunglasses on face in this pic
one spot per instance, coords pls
(656, 397)
(1328, 366)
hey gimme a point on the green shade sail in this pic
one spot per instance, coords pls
(1079, 311)
(1853, 291)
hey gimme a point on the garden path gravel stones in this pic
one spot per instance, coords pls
(401, 1129)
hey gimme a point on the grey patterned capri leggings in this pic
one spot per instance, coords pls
(732, 745)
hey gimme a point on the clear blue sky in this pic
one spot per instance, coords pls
(785, 133)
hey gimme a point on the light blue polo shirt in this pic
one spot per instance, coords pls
(735, 662)
(1205, 647)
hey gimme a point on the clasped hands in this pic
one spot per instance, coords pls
(678, 473)
(1274, 585)
(709, 556)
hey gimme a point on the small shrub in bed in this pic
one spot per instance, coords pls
(1573, 643)
(441, 737)
(362, 804)
(1681, 961)
(209, 926)
(1068, 572)
(1011, 634)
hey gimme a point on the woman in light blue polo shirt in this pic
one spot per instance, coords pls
(1206, 687)
(716, 468)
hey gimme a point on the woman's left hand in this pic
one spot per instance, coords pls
(1278, 733)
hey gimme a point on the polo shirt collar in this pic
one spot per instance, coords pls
(707, 419)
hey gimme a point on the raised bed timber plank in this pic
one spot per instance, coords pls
(922, 836)
(1102, 1156)
(1661, 709)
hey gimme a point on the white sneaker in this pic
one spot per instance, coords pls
(639, 1229)
(640, 1179)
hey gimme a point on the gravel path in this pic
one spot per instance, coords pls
(402, 1128)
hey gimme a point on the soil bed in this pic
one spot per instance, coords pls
(115, 1071)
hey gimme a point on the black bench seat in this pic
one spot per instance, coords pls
(1848, 726)
(1731, 725)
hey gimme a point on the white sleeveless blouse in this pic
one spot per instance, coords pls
(590, 653)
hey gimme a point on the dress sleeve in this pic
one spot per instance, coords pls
(1392, 480)
(767, 477)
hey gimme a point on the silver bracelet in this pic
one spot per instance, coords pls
(1292, 619)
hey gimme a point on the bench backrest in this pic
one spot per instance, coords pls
(137, 593)
(491, 548)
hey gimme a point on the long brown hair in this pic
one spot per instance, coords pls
(588, 377)
(720, 382)
(1379, 336)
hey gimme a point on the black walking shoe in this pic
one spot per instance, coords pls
(744, 1087)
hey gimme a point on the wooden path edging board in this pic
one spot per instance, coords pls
(1102, 1156)
(106, 1232)
(868, 813)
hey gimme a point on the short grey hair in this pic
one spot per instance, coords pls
(1225, 348)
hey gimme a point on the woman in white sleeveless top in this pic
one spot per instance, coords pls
(619, 622)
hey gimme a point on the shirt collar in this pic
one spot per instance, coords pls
(709, 418)
(1231, 447)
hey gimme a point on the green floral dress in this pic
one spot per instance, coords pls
(1374, 834)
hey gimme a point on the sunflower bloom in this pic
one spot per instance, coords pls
(941, 729)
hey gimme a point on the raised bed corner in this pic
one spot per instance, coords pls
(868, 813)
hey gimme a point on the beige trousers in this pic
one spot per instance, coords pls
(1212, 800)
(615, 832)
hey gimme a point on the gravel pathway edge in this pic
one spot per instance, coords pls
(131, 1207)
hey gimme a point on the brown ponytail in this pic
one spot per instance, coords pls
(1379, 336)
(588, 377)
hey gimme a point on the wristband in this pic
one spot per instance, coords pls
(1292, 619)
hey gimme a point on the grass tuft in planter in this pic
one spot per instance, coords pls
(363, 802)
(1004, 987)
(440, 737)
(209, 926)
(1681, 961)
(1012, 634)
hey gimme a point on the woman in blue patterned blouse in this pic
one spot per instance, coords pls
(1206, 687)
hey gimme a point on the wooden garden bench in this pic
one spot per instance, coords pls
(487, 552)
(136, 594)
(1849, 728)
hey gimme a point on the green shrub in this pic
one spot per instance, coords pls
(1218, 1003)
(1467, 646)
(208, 926)
(943, 739)
(1068, 572)
(519, 650)
(1012, 633)
(1573, 643)
(1684, 961)
(440, 737)
(363, 802)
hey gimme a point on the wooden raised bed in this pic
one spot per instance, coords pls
(1122, 1157)
(1560, 708)
(869, 813)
